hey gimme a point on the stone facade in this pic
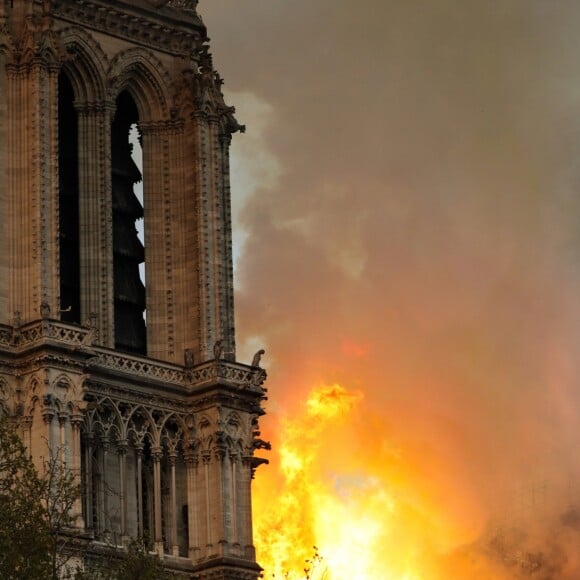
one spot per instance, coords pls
(160, 424)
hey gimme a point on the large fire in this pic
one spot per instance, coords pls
(336, 505)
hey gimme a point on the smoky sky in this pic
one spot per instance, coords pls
(412, 221)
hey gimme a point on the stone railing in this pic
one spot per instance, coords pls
(232, 374)
(225, 372)
(53, 331)
(140, 366)
(42, 331)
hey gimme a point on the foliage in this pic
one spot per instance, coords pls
(35, 511)
(37, 539)
(139, 564)
(60, 492)
(136, 563)
(25, 537)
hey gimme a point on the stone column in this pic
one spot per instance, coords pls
(226, 500)
(157, 455)
(19, 187)
(47, 112)
(33, 178)
(89, 441)
(180, 333)
(26, 424)
(139, 477)
(223, 210)
(76, 422)
(122, 455)
(5, 308)
(235, 504)
(159, 250)
(48, 414)
(95, 219)
(221, 498)
(105, 494)
(246, 508)
(192, 462)
(204, 239)
(207, 503)
(61, 449)
(173, 504)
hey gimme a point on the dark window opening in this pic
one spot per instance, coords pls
(128, 251)
(68, 180)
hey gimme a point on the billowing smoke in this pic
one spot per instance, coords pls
(409, 197)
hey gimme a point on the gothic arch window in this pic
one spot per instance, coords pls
(128, 250)
(99, 208)
(68, 178)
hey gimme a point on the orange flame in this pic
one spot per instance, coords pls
(336, 505)
(347, 514)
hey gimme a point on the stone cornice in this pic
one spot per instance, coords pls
(52, 342)
(172, 30)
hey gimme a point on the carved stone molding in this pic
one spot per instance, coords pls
(147, 31)
(189, 5)
(43, 330)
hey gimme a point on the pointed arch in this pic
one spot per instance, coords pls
(107, 409)
(64, 382)
(86, 70)
(148, 422)
(205, 431)
(83, 155)
(173, 417)
(173, 438)
(32, 390)
(144, 76)
(88, 424)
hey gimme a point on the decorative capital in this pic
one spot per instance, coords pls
(157, 454)
(76, 420)
(26, 421)
(220, 452)
(192, 459)
(122, 446)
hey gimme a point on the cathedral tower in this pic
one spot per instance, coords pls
(117, 339)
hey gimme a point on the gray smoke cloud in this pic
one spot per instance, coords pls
(410, 207)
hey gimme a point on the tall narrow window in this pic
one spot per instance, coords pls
(68, 161)
(128, 251)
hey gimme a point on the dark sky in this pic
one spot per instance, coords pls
(408, 225)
